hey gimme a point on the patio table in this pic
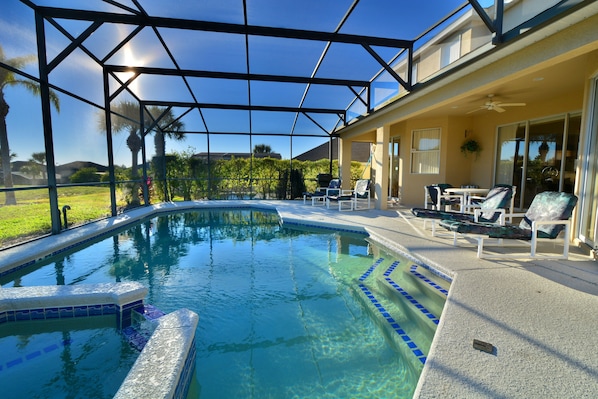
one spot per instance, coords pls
(465, 193)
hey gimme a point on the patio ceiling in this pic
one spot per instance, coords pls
(239, 66)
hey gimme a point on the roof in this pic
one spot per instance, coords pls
(258, 67)
(360, 152)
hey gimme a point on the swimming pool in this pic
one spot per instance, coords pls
(283, 312)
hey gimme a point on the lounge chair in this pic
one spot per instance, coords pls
(361, 194)
(547, 216)
(437, 198)
(322, 192)
(490, 210)
(475, 201)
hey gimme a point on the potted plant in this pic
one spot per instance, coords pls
(471, 146)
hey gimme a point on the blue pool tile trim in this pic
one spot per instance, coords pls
(412, 300)
(391, 268)
(325, 228)
(371, 269)
(396, 327)
(409, 297)
(436, 272)
(33, 355)
(413, 270)
(182, 388)
(69, 312)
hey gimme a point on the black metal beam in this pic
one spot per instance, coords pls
(245, 107)
(238, 76)
(484, 15)
(293, 135)
(208, 26)
(44, 88)
(391, 72)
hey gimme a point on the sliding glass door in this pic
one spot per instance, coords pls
(589, 193)
(538, 155)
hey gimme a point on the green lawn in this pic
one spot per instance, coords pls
(31, 216)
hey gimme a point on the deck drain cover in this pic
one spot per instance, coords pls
(483, 346)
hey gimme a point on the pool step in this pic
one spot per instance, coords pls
(427, 281)
(397, 303)
(408, 300)
(417, 352)
(139, 332)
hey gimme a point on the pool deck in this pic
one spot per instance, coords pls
(538, 314)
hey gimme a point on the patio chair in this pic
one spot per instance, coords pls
(360, 195)
(491, 210)
(547, 216)
(437, 198)
(476, 201)
(322, 182)
(322, 192)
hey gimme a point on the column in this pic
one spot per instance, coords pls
(381, 167)
(344, 162)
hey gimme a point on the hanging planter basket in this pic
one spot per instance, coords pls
(471, 147)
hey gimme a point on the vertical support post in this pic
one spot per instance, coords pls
(330, 143)
(344, 162)
(381, 166)
(108, 121)
(144, 186)
(369, 99)
(498, 21)
(163, 171)
(47, 122)
(410, 67)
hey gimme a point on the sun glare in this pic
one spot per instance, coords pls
(131, 60)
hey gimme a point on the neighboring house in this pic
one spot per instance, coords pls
(64, 172)
(360, 152)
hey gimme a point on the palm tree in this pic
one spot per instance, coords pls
(262, 149)
(7, 79)
(127, 119)
(169, 127)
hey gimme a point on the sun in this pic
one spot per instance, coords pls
(130, 60)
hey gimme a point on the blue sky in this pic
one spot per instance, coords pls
(75, 128)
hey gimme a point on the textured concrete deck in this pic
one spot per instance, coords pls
(540, 315)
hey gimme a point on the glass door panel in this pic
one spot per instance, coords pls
(589, 193)
(509, 160)
(543, 168)
(394, 187)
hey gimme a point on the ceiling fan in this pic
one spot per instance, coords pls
(497, 106)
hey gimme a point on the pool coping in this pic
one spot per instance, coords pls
(164, 368)
(534, 312)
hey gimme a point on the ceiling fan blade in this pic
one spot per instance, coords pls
(475, 110)
(498, 109)
(512, 104)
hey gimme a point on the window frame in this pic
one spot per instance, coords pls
(429, 156)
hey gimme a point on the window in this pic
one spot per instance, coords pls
(451, 51)
(425, 151)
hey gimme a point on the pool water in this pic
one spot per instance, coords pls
(282, 311)
(63, 359)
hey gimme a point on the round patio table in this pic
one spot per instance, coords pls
(465, 193)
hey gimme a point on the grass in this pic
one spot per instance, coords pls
(31, 216)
